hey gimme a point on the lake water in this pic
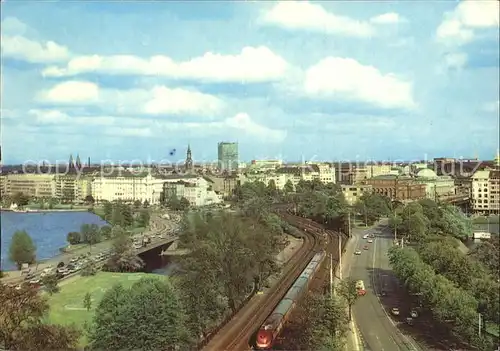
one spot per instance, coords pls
(48, 230)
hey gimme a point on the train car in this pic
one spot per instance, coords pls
(275, 322)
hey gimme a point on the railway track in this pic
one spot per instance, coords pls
(236, 334)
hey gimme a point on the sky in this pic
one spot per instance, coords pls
(291, 80)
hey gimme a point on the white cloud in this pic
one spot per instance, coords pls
(458, 26)
(241, 124)
(13, 26)
(15, 45)
(455, 60)
(159, 100)
(72, 92)
(387, 18)
(252, 64)
(345, 78)
(307, 16)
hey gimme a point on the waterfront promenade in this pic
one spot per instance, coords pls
(158, 226)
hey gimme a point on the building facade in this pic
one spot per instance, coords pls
(228, 157)
(352, 193)
(485, 192)
(33, 185)
(197, 191)
(400, 188)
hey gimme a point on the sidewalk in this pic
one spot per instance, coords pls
(354, 340)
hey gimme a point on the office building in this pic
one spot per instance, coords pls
(228, 156)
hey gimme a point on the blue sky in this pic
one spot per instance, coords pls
(319, 81)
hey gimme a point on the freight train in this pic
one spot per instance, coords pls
(276, 321)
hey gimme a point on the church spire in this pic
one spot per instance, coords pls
(188, 165)
(78, 163)
(71, 163)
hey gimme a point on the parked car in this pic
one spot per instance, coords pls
(365, 247)
(395, 311)
(357, 252)
(370, 241)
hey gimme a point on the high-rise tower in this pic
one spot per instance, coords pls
(188, 165)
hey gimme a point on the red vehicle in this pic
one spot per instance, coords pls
(360, 287)
(274, 323)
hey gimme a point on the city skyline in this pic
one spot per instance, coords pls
(352, 80)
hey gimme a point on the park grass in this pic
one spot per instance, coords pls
(66, 306)
(486, 220)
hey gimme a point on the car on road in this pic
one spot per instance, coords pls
(395, 311)
(383, 293)
(360, 287)
(365, 236)
(357, 252)
(414, 313)
(370, 241)
(365, 247)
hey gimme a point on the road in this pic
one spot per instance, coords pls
(379, 332)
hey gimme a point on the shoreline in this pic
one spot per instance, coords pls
(45, 211)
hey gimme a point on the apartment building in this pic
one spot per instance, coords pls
(349, 173)
(436, 187)
(401, 188)
(196, 190)
(34, 185)
(376, 170)
(307, 172)
(485, 191)
(353, 193)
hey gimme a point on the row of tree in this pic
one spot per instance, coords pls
(453, 307)
(125, 215)
(176, 204)
(420, 220)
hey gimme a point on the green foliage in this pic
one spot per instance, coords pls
(124, 258)
(74, 238)
(372, 206)
(176, 204)
(466, 273)
(22, 325)
(288, 188)
(450, 305)
(488, 253)
(148, 316)
(90, 234)
(89, 269)
(326, 323)
(108, 210)
(105, 232)
(87, 301)
(50, 284)
(349, 292)
(20, 199)
(230, 254)
(144, 218)
(22, 249)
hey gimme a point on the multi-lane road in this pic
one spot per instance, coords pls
(379, 331)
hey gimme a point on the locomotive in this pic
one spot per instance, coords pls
(276, 320)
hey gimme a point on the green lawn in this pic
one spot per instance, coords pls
(66, 307)
(486, 220)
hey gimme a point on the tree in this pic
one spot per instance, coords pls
(137, 203)
(173, 203)
(124, 258)
(349, 292)
(126, 212)
(89, 269)
(20, 199)
(288, 188)
(90, 234)
(89, 199)
(73, 238)
(22, 325)
(117, 216)
(87, 301)
(50, 284)
(184, 204)
(146, 204)
(105, 232)
(147, 316)
(144, 218)
(325, 323)
(22, 249)
(108, 210)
